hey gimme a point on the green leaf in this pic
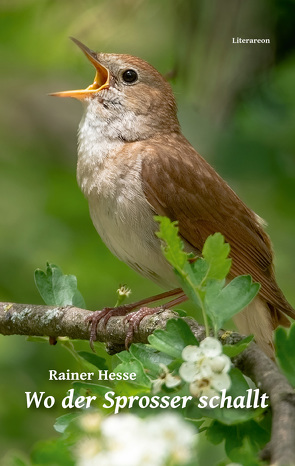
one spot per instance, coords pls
(203, 280)
(188, 282)
(180, 312)
(173, 247)
(93, 359)
(52, 452)
(234, 350)
(124, 356)
(244, 445)
(222, 304)
(95, 389)
(215, 432)
(149, 357)
(142, 381)
(200, 268)
(242, 442)
(63, 422)
(285, 351)
(216, 251)
(37, 339)
(172, 340)
(57, 289)
(239, 384)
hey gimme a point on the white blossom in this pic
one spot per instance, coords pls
(211, 347)
(128, 440)
(165, 378)
(221, 364)
(86, 449)
(90, 422)
(178, 435)
(205, 368)
(124, 291)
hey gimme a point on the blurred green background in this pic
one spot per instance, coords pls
(236, 106)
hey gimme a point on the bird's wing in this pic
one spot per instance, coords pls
(180, 184)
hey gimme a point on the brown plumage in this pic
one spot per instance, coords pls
(134, 163)
(203, 204)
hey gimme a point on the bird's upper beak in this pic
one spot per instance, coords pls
(101, 80)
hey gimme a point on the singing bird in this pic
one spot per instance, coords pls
(134, 163)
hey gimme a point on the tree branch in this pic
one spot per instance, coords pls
(39, 320)
(256, 365)
(30, 319)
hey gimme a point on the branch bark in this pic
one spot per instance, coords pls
(53, 321)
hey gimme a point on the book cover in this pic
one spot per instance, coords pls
(186, 392)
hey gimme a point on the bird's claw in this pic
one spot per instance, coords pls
(134, 319)
(103, 316)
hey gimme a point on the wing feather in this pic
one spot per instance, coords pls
(181, 185)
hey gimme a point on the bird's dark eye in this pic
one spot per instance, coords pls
(130, 76)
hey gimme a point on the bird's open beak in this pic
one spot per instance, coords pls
(101, 80)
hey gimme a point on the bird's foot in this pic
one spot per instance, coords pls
(103, 316)
(134, 319)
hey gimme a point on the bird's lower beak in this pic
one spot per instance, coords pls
(101, 80)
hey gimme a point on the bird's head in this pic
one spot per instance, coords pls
(127, 93)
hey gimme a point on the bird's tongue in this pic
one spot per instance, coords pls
(101, 80)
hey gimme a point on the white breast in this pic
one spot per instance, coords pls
(118, 207)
